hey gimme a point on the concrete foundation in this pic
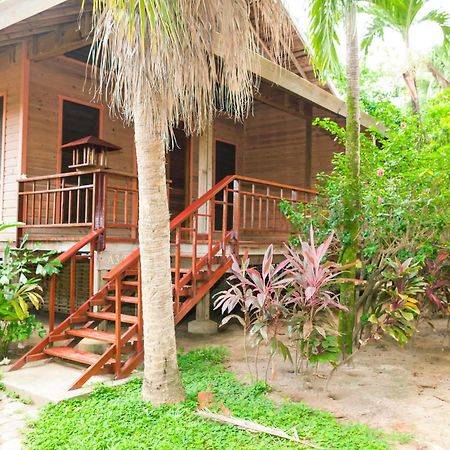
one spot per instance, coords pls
(202, 323)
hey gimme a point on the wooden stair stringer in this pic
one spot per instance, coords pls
(202, 290)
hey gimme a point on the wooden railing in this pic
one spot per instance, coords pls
(211, 228)
(77, 200)
(72, 256)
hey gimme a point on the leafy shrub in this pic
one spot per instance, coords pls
(21, 272)
(405, 200)
(294, 294)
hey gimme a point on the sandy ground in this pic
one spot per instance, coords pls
(401, 390)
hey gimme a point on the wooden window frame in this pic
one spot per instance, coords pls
(61, 100)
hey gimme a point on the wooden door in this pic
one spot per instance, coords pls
(225, 165)
(178, 173)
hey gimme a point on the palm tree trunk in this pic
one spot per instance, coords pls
(352, 194)
(162, 382)
(409, 76)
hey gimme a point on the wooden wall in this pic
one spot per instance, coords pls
(12, 73)
(50, 81)
(323, 144)
(274, 147)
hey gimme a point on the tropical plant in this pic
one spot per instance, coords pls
(325, 16)
(21, 273)
(312, 328)
(405, 203)
(294, 294)
(262, 298)
(12, 331)
(164, 64)
(397, 307)
(437, 276)
(402, 16)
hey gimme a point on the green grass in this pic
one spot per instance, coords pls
(117, 418)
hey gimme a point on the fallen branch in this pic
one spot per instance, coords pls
(253, 427)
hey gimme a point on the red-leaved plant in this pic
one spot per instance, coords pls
(293, 294)
(437, 290)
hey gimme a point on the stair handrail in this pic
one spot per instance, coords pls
(70, 254)
(133, 257)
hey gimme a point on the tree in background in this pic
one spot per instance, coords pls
(158, 68)
(401, 16)
(325, 17)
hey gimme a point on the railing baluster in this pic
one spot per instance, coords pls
(115, 204)
(61, 208)
(140, 341)
(118, 324)
(126, 208)
(210, 228)
(47, 209)
(25, 209)
(77, 218)
(73, 284)
(274, 220)
(244, 212)
(194, 253)
(86, 205)
(260, 214)
(91, 266)
(69, 207)
(51, 303)
(267, 207)
(236, 214)
(252, 218)
(226, 205)
(33, 202)
(177, 268)
(40, 209)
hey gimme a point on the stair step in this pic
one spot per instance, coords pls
(182, 270)
(89, 333)
(112, 317)
(73, 354)
(78, 319)
(124, 298)
(130, 283)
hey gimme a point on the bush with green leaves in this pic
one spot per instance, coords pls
(405, 174)
(21, 274)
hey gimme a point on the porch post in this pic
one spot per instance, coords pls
(202, 323)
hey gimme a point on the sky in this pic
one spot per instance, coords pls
(423, 37)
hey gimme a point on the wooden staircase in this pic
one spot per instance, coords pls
(200, 255)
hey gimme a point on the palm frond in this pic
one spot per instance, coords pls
(164, 53)
(325, 16)
(441, 18)
(376, 29)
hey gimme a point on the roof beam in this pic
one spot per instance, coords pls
(291, 82)
(62, 39)
(12, 11)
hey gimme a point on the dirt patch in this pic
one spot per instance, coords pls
(399, 390)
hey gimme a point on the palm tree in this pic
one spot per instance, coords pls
(401, 16)
(158, 69)
(325, 17)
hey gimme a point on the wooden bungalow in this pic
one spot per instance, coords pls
(75, 192)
